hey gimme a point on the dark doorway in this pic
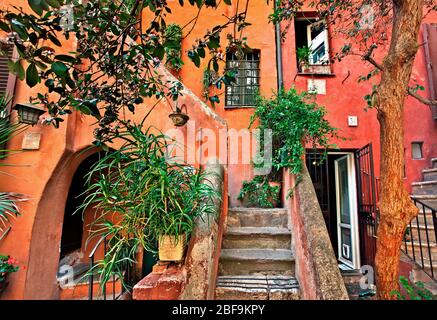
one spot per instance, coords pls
(72, 229)
(322, 170)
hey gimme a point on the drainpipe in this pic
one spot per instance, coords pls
(278, 52)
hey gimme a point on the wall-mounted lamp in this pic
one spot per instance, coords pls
(29, 113)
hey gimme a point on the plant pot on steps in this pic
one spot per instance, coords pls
(279, 185)
(172, 248)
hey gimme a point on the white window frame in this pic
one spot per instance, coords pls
(314, 43)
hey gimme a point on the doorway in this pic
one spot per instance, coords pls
(334, 180)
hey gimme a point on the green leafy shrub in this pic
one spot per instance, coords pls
(295, 121)
(139, 195)
(259, 193)
(415, 291)
(173, 37)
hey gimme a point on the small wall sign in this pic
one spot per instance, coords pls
(31, 141)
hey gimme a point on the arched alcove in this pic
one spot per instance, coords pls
(41, 282)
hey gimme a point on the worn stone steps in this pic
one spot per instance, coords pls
(425, 187)
(430, 200)
(257, 217)
(257, 287)
(419, 230)
(429, 174)
(257, 237)
(408, 248)
(256, 261)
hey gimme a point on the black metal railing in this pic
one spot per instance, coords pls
(93, 269)
(420, 240)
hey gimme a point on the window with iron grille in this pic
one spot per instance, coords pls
(243, 91)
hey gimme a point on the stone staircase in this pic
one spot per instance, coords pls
(426, 192)
(256, 261)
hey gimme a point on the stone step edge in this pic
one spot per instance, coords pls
(268, 255)
(250, 282)
(257, 210)
(416, 244)
(424, 183)
(247, 231)
(429, 170)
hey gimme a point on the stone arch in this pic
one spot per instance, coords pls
(46, 235)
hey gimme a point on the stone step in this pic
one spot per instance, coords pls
(421, 217)
(256, 261)
(408, 248)
(423, 232)
(257, 238)
(72, 273)
(425, 187)
(430, 174)
(257, 287)
(256, 217)
(430, 200)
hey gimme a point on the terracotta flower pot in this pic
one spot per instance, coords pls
(179, 119)
(172, 248)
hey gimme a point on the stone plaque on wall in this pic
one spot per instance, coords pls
(317, 86)
(31, 141)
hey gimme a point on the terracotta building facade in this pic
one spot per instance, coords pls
(50, 173)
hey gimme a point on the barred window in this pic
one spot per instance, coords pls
(243, 91)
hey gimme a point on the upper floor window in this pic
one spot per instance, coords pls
(312, 45)
(242, 92)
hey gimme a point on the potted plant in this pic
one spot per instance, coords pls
(303, 58)
(179, 117)
(260, 192)
(142, 198)
(183, 196)
(7, 265)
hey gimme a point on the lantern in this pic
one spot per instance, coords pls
(29, 113)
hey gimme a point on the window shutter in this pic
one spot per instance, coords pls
(7, 86)
(430, 39)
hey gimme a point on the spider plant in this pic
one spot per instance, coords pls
(139, 194)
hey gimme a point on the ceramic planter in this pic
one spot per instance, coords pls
(172, 248)
(179, 119)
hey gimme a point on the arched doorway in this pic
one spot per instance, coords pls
(44, 255)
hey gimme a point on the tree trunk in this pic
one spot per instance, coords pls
(396, 207)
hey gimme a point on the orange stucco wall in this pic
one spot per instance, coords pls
(44, 175)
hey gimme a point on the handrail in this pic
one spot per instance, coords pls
(424, 245)
(91, 256)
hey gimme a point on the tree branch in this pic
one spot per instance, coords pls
(368, 57)
(421, 99)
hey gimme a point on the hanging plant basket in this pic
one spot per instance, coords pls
(179, 118)
(172, 248)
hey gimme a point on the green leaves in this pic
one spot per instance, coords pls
(39, 6)
(293, 119)
(32, 76)
(17, 69)
(60, 69)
